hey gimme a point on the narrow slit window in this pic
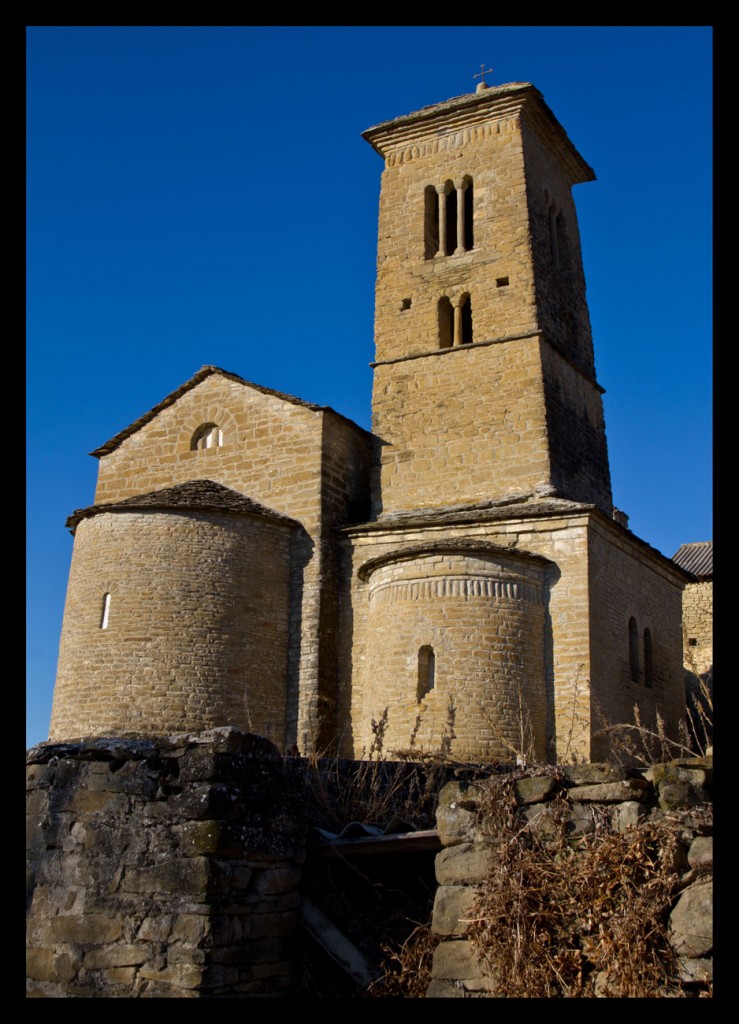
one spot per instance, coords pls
(104, 614)
(633, 650)
(451, 218)
(648, 660)
(466, 315)
(431, 222)
(469, 240)
(426, 671)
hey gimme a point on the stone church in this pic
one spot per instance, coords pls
(456, 579)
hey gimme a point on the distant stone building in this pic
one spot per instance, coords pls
(697, 559)
(456, 579)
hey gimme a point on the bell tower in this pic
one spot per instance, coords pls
(484, 377)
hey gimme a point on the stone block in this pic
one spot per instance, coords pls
(680, 794)
(612, 792)
(89, 929)
(192, 876)
(440, 988)
(694, 970)
(628, 814)
(594, 774)
(535, 790)
(44, 964)
(464, 864)
(457, 959)
(186, 976)
(700, 854)
(121, 955)
(691, 921)
(453, 907)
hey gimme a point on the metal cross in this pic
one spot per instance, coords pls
(482, 72)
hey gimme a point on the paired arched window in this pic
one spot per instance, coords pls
(208, 435)
(426, 671)
(448, 218)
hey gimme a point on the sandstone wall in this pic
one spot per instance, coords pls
(491, 154)
(596, 575)
(272, 450)
(461, 425)
(627, 582)
(698, 623)
(195, 632)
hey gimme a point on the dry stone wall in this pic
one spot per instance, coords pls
(162, 868)
(586, 792)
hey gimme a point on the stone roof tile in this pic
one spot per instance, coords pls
(194, 495)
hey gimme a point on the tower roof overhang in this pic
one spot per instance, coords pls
(494, 103)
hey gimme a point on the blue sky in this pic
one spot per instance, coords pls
(202, 195)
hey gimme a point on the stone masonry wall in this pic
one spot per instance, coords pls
(463, 425)
(698, 622)
(626, 582)
(162, 868)
(271, 451)
(599, 575)
(491, 154)
(626, 797)
(562, 635)
(196, 632)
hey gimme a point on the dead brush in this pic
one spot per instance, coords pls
(566, 918)
(407, 969)
(377, 788)
(636, 744)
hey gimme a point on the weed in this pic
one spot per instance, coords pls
(558, 918)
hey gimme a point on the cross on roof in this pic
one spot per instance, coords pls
(482, 72)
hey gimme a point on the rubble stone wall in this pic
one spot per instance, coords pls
(165, 868)
(592, 790)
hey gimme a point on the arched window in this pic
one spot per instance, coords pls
(446, 323)
(451, 217)
(633, 650)
(466, 315)
(209, 435)
(431, 222)
(648, 661)
(426, 671)
(448, 218)
(104, 614)
(469, 240)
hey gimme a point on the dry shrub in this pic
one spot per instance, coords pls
(559, 914)
(407, 969)
(636, 744)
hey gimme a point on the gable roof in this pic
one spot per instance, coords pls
(198, 378)
(696, 558)
(194, 496)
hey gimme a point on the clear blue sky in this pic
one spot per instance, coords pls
(202, 195)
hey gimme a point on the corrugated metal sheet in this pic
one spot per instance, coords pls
(696, 558)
